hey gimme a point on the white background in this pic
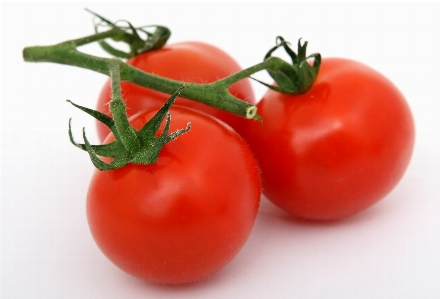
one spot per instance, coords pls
(392, 250)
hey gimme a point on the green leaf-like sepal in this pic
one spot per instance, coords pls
(130, 35)
(297, 77)
(150, 144)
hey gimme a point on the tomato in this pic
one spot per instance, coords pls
(192, 62)
(336, 149)
(186, 216)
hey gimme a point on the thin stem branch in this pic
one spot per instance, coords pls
(270, 63)
(119, 111)
(96, 37)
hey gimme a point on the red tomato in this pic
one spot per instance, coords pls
(336, 149)
(185, 217)
(191, 62)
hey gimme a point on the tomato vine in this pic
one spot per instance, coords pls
(289, 78)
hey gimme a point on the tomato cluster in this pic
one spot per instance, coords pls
(324, 154)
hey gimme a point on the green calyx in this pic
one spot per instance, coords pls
(130, 145)
(130, 35)
(297, 77)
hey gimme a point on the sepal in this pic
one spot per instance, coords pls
(150, 144)
(130, 35)
(298, 76)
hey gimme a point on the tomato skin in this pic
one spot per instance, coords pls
(338, 148)
(192, 62)
(185, 217)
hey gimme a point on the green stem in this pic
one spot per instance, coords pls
(214, 94)
(96, 37)
(119, 111)
(272, 63)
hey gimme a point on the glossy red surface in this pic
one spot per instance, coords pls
(186, 216)
(336, 149)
